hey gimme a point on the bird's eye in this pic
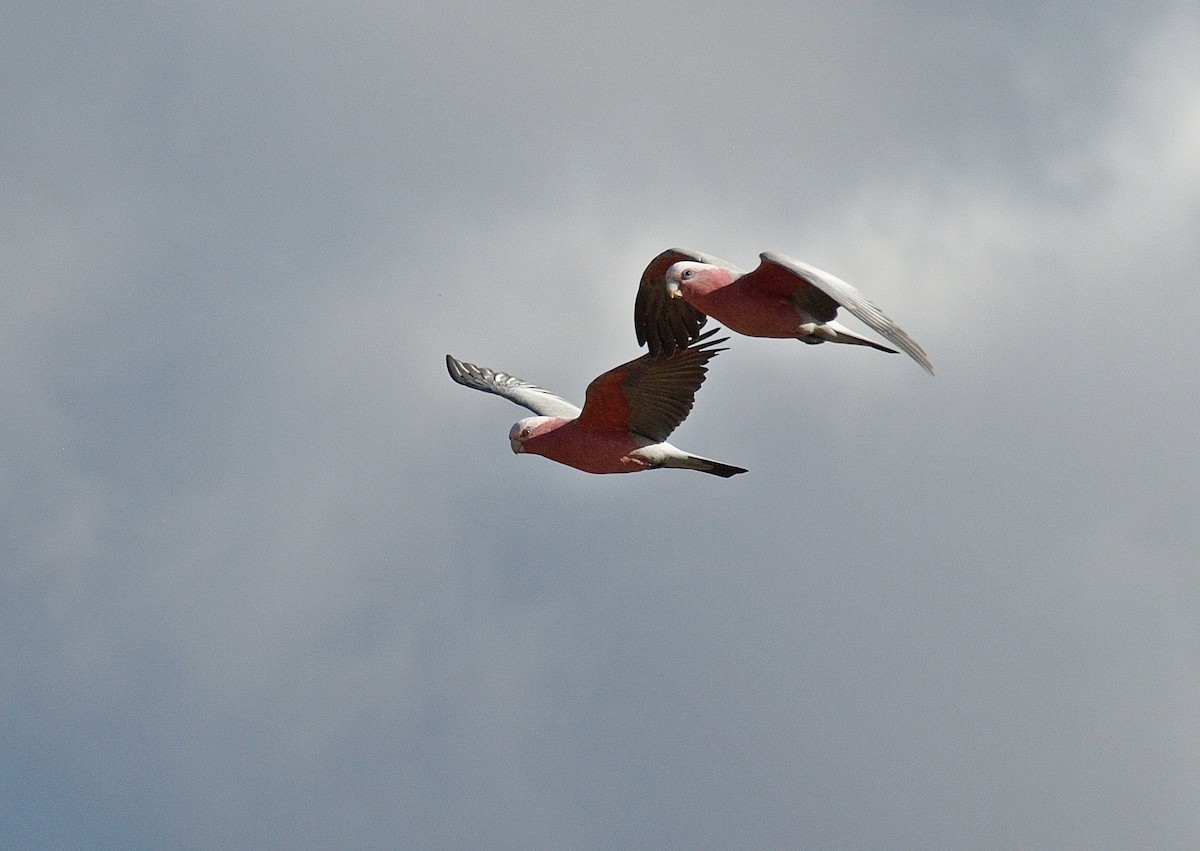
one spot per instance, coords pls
(687, 273)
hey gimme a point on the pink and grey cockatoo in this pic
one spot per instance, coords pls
(781, 298)
(627, 416)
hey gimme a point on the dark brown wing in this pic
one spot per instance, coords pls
(663, 323)
(652, 395)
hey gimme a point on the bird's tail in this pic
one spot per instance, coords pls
(705, 465)
(835, 332)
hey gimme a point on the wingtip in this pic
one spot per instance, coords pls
(705, 342)
(914, 351)
(459, 370)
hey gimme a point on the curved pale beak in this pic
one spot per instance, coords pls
(517, 448)
(673, 289)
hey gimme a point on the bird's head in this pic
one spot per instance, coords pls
(683, 276)
(527, 428)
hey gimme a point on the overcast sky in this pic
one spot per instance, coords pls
(270, 579)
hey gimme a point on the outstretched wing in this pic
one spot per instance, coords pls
(541, 402)
(664, 323)
(819, 294)
(652, 395)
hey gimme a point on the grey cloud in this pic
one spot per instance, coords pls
(272, 579)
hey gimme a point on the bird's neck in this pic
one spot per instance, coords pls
(713, 280)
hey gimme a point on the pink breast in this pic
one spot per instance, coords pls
(589, 450)
(748, 312)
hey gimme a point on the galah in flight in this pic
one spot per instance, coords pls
(781, 298)
(627, 415)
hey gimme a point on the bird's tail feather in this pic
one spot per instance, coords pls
(705, 465)
(835, 332)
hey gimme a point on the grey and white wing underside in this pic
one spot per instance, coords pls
(855, 302)
(537, 399)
